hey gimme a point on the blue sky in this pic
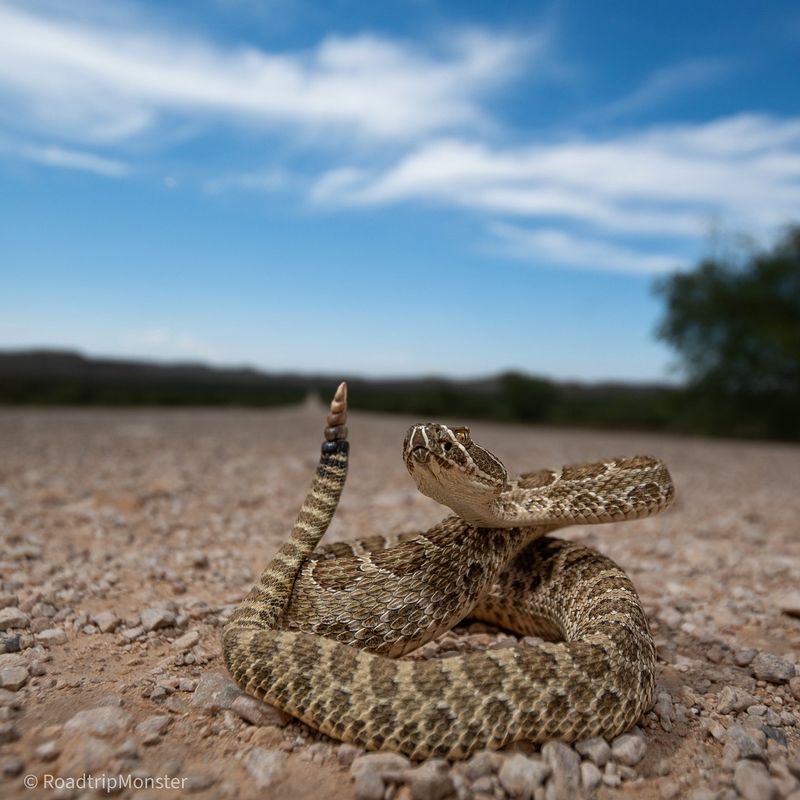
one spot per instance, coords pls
(389, 188)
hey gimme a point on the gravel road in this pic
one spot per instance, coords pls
(128, 536)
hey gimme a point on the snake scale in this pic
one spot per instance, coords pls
(322, 632)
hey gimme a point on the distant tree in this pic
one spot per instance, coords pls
(736, 327)
(525, 398)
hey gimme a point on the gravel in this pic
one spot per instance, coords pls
(127, 538)
(769, 667)
(521, 776)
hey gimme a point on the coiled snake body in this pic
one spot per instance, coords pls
(319, 634)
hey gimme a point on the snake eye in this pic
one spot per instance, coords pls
(462, 434)
(446, 446)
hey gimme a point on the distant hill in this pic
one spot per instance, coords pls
(51, 377)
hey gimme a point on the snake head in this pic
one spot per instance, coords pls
(452, 469)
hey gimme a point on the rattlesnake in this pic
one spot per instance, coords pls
(320, 633)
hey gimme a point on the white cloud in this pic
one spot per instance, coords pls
(667, 181)
(559, 248)
(107, 82)
(54, 156)
(666, 83)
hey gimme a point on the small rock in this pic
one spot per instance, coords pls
(265, 766)
(733, 699)
(775, 734)
(665, 710)
(48, 751)
(520, 776)
(744, 656)
(13, 678)
(566, 766)
(215, 692)
(753, 782)
(368, 785)
(106, 621)
(789, 603)
(131, 634)
(157, 617)
(151, 730)
(772, 668)
(13, 767)
(8, 732)
(479, 765)
(51, 637)
(714, 728)
(595, 749)
(379, 763)
(12, 617)
(257, 713)
(669, 790)
(430, 781)
(794, 687)
(8, 599)
(102, 721)
(347, 753)
(198, 782)
(591, 777)
(187, 641)
(746, 746)
(628, 749)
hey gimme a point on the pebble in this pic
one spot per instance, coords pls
(368, 785)
(789, 603)
(347, 753)
(772, 668)
(13, 767)
(257, 713)
(198, 781)
(48, 751)
(430, 781)
(150, 730)
(188, 640)
(665, 710)
(744, 656)
(480, 764)
(8, 732)
(215, 692)
(595, 749)
(51, 636)
(381, 763)
(8, 599)
(265, 766)
(741, 744)
(13, 678)
(12, 617)
(628, 749)
(520, 775)
(106, 621)
(157, 617)
(565, 764)
(733, 699)
(794, 687)
(591, 777)
(101, 721)
(753, 782)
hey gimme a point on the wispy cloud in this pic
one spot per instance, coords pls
(665, 181)
(107, 83)
(551, 247)
(65, 158)
(670, 82)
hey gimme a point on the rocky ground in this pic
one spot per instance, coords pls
(128, 536)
